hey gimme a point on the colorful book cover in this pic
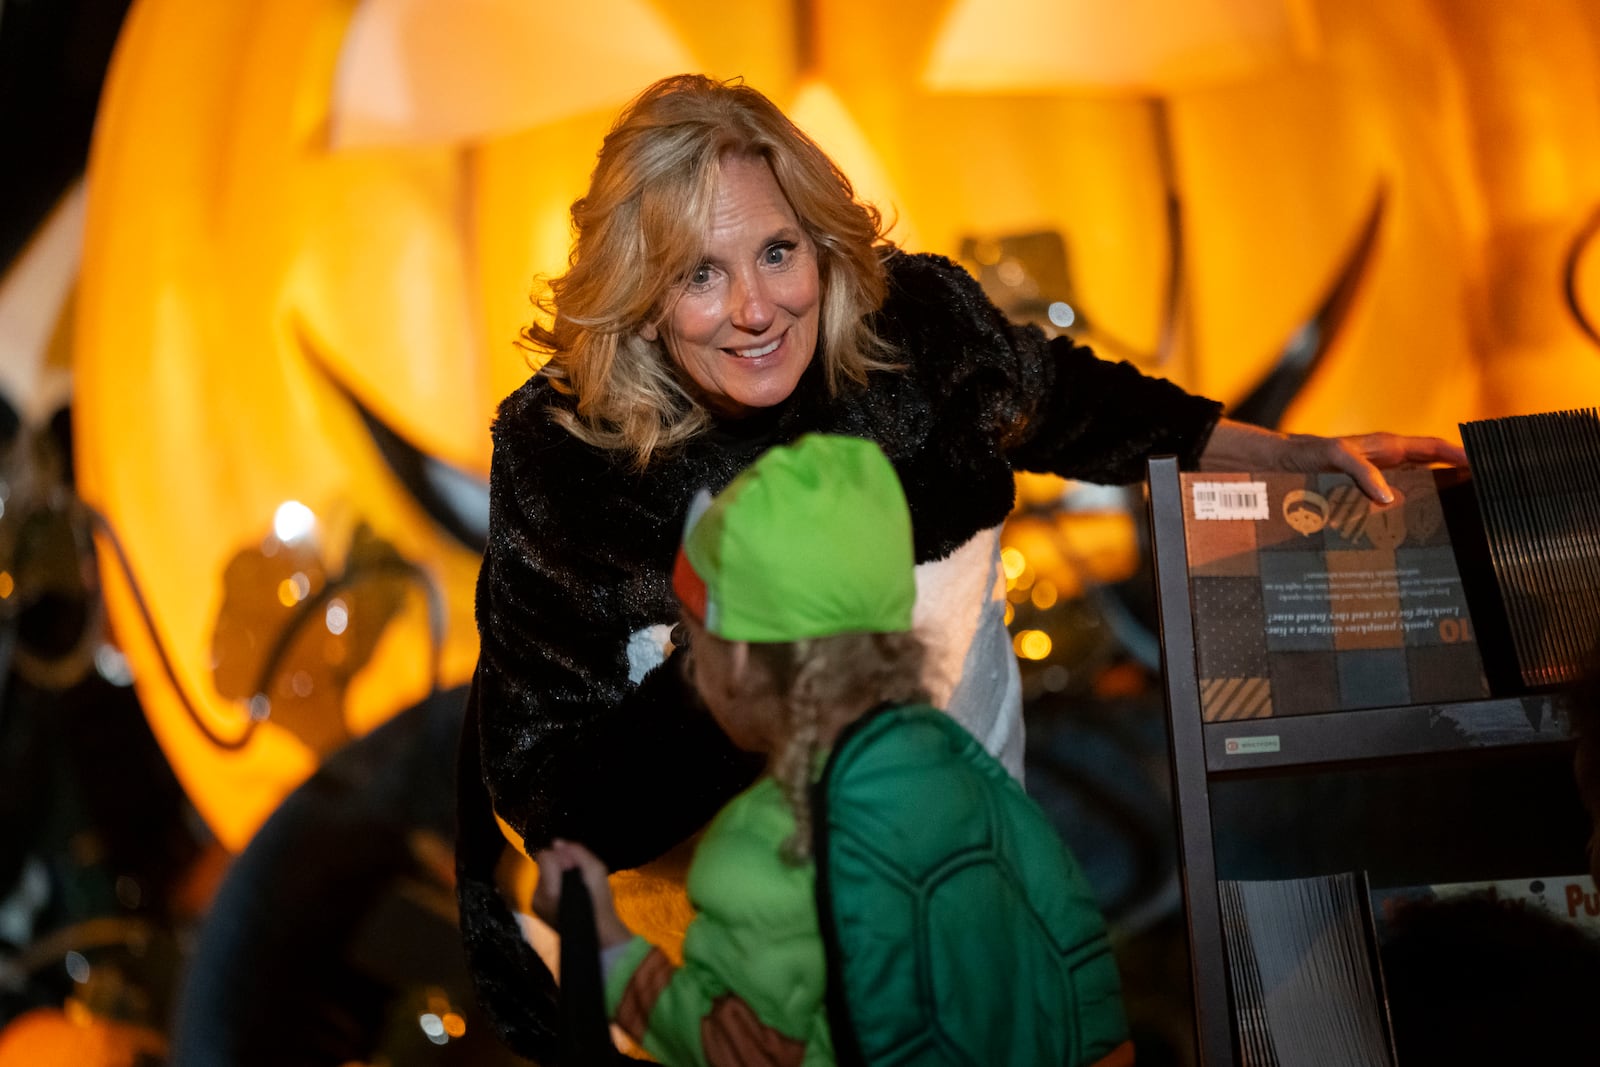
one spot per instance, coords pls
(1308, 598)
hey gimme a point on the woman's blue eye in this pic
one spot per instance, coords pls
(778, 253)
(701, 275)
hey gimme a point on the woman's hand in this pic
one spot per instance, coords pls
(1238, 446)
(555, 861)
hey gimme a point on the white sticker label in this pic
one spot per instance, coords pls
(1230, 500)
(1243, 746)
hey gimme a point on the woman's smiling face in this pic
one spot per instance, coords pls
(743, 326)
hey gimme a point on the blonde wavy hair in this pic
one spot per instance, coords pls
(823, 684)
(640, 230)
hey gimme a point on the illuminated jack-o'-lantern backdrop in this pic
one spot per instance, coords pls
(313, 225)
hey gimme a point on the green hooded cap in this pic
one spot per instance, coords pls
(812, 540)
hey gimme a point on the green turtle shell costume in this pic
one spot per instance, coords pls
(957, 927)
(941, 923)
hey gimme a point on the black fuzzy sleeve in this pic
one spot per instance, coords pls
(575, 564)
(1100, 421)
(1051, 405)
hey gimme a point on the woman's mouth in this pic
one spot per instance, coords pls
(756, 353)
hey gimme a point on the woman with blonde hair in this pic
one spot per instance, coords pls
(642, 226)
(727, 292)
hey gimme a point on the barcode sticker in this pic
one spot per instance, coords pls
(1230, 500)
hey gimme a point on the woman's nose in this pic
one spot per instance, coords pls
(753, 308)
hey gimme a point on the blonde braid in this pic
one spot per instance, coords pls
(822, 681)
(792, 763)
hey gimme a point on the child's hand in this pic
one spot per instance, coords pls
(562, 856)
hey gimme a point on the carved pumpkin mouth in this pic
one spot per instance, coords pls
(457, 502)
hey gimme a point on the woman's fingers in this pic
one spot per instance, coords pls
(1364, 471)
(1432, 450)
(1391, 450)
(1363, 456)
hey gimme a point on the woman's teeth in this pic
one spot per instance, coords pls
(756, 353)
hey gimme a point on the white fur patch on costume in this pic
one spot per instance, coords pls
(970, 670)
(647, 650)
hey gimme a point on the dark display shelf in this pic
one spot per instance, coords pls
(1284, 796)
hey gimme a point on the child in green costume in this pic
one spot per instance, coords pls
(886, 891)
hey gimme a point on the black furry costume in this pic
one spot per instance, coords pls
(581, 548)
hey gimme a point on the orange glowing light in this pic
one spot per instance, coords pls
(1032, 644)
(291, 592)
